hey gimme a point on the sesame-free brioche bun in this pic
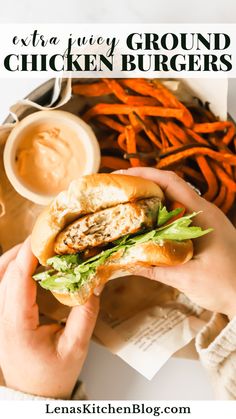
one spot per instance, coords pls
(166, 253)
(84, 196)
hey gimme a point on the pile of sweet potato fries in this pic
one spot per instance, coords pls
(139, 122)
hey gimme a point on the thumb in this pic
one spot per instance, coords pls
(7, 257)
(79, 328)
(174, 276)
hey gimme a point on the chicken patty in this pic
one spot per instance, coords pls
(107, 225)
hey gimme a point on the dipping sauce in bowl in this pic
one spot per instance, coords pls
(48, 149)
(49, 157)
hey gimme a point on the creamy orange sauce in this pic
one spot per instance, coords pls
(49, 157)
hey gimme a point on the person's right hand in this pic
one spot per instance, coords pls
(44, 360)
(209, 279)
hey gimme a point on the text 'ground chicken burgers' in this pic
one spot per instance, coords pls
(101, 228)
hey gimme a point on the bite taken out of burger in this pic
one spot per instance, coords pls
(103, 227)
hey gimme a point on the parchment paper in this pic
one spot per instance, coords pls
(141, 321)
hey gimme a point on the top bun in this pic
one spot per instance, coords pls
(85, 196)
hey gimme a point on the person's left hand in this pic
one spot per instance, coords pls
(43, 360)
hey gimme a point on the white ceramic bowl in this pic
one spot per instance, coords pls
(82, 130)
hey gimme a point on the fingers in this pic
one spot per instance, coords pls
(79, 328)
(174, 276)
(25, 260)
(175, 188)
(19, 289)
(7, 257)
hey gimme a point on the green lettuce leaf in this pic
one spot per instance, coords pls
(59, 281)
(74, 273)
(64, 262)
(180, 230)
(164, 215)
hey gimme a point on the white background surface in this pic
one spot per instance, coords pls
(106, 376)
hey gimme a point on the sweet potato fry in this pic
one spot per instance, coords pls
(230, 195)
(198, 138)
(114, 163)
(229, 135)
(131, 145)
(209, 177)
(229, 200)
(122, 141)
(149, 125)
(211, 127)
(113, 109)
(155, 89)
(181, 155)
(224, 177)
(121, 94)
(178, 132)
(109, 122)
(171, 138)
(219, 200)
(123, 119)
(164, 140)
(91, 89)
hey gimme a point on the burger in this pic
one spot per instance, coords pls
(103, 227)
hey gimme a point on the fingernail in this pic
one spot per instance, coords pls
(97, 291)
(121, 171)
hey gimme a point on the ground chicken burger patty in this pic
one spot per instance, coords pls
(107, 225)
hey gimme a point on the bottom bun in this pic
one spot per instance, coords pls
(166, 253)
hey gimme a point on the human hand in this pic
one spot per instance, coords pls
(41, 360)
(209, 279)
